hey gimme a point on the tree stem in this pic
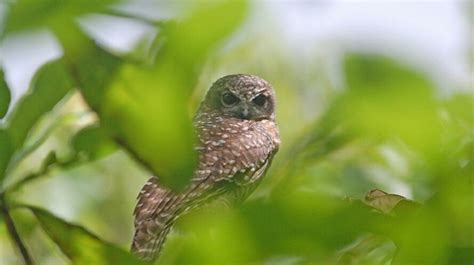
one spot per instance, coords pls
(15, 237)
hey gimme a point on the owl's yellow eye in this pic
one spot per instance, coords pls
(260, 100)
(229, 99)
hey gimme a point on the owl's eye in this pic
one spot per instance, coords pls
(229, 99)
(260, 100)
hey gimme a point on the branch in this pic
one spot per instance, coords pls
(50, 163)
(15, 237)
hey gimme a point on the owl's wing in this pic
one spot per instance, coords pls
(242, 156)
(241, 160)
(151, 197)
(157, 209)
(241, 191)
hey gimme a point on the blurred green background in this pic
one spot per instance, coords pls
(96, 96)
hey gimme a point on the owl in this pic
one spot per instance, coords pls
(237, 139)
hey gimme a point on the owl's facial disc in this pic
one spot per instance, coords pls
(255, 108)
(242, 96)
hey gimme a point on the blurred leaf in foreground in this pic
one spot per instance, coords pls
(25, 14)
(92, 67)
(369, 249)
(79, 245)
(5, 152)
(299, 225)
(217, 236)
(146, 108)
(386, 100)
(93, 142)
(4, 96)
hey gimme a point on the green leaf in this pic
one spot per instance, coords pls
(386, 99)
(151, 120)
(4, 96)
(297, 224)
(48, 87)
(93, 142)
(26, 14)
(92, 67)
(459, 106)
(146, 108)
(95, 69)
(5, 152)
(80, 245)
(214, 227)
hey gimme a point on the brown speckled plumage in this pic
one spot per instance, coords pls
(236, 145)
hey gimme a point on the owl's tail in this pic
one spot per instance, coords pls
(157, 210)
(155, 213)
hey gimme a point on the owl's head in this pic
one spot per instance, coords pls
(242, 96)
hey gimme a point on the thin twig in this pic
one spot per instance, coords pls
(44, 171)
(15, 237)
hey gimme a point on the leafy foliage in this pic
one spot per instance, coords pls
(49, 12)
(93, 142)
(6, 147)
(120, 93)
(4, 96)
(380, 90)
(300, 221)
(27, 112)
(80, 245)
(386, 127)
(164, 89)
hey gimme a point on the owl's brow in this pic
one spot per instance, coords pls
(249, 92)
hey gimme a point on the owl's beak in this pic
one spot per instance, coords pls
(245, 113)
